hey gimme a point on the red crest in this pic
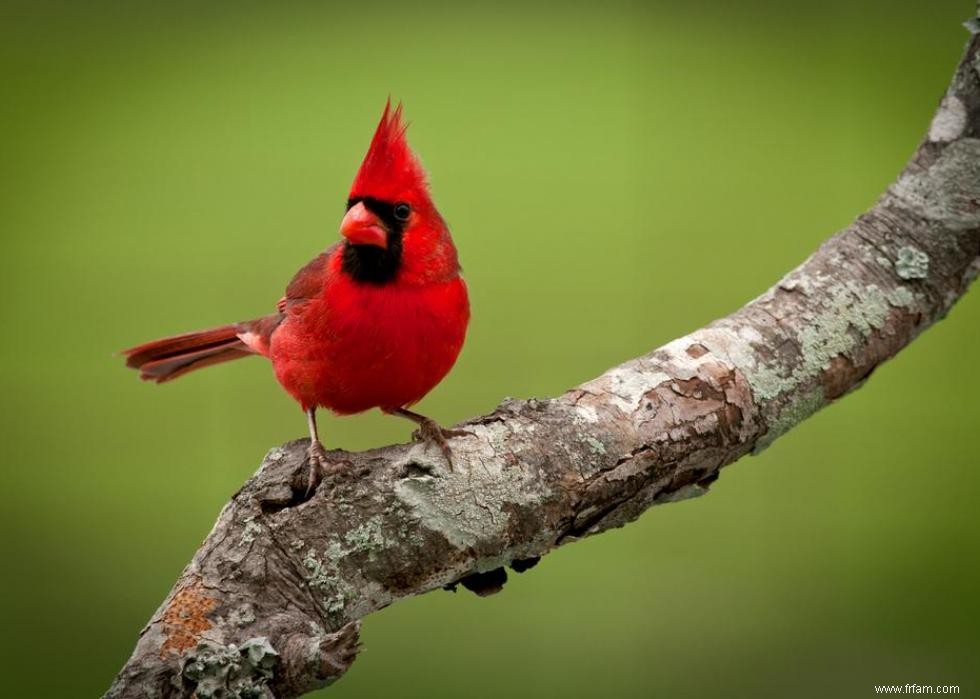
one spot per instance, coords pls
(390, 170)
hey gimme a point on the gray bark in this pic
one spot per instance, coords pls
(270, 604)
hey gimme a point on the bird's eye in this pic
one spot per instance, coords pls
(402, 211)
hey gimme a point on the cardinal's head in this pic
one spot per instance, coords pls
(392, 230)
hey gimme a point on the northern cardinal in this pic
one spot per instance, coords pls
(375, 321)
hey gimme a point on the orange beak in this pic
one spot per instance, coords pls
(361, 227)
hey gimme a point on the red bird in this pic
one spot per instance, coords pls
(375, 321)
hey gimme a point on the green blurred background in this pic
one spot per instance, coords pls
(616, 174)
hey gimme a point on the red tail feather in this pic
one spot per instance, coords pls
(171, 357)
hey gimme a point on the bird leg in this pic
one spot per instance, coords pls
(317, 454)
(430, 432)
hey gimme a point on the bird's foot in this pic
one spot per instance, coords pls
(430, 432)
(317, 458)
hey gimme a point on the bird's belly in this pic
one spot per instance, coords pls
(375, 348)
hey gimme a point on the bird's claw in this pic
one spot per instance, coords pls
(430, 432)
(317, 457)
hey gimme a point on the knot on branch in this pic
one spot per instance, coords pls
(314, 660)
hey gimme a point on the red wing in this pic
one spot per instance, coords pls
(308, 282)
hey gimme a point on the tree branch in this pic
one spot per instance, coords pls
(270, 604)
